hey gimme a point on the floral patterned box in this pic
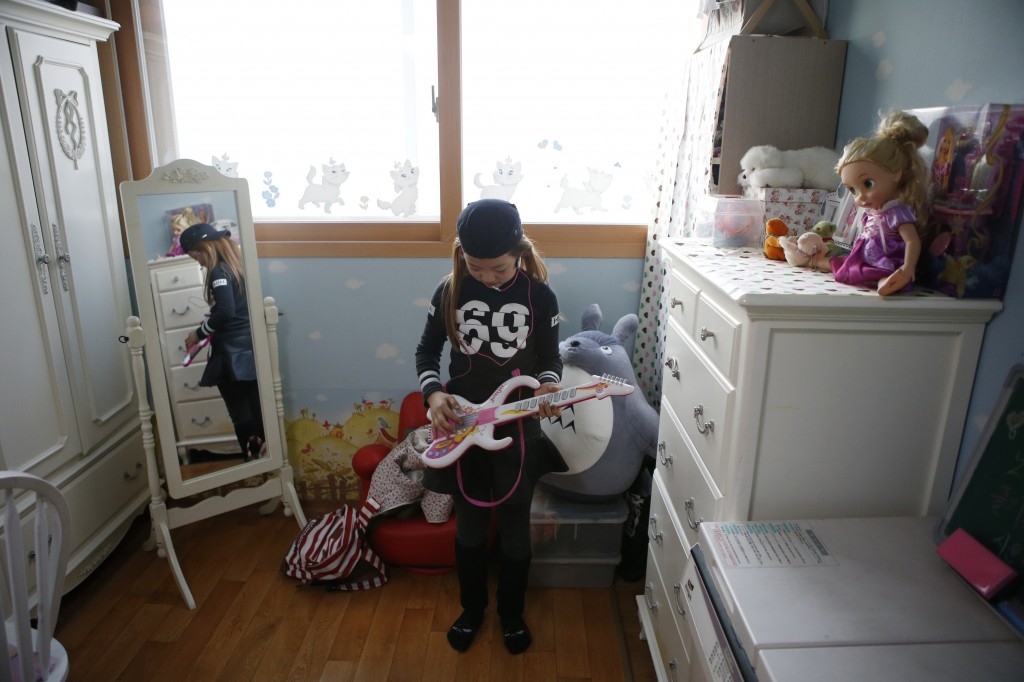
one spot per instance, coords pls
(800, 209)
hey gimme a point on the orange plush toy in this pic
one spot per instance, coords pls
(775, 228)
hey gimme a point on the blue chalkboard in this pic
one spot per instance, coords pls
(989, 502)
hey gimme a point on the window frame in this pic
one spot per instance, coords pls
(377, 239)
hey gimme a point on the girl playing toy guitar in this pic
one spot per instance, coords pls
(501, 319)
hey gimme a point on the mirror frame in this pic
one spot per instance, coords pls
(190, 178)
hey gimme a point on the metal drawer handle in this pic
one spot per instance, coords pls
(672, 666)
(206, 420)
(702, 427)
(131, 476)
(663, 455)
(649, 597)
(675, 302)
(175, 280)
(673, 366)
(688, 506)
(191, 387)
(705, 333)
(656, 535)
(183, 312)
(677, 590)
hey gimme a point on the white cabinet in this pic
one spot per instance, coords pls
(68, 409)
(200, 416)
(787, 396)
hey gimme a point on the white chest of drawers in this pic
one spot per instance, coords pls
(786, 395)
(200, 417)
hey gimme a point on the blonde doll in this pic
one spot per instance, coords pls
(887, 176)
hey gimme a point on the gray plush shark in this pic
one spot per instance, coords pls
(603, 441)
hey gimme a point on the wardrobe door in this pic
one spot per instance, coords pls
(37, 421)
(62, 108)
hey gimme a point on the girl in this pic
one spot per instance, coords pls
(501, 318)
(231, 366)
(887, 176)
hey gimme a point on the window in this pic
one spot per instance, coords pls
(335, 114)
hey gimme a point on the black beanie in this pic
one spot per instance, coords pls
(200, 232)
(489, 228)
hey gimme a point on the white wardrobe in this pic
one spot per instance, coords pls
(68, 409)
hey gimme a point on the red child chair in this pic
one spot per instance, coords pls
(411, 543)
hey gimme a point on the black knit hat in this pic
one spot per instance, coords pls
(200, 232)
(489, 228)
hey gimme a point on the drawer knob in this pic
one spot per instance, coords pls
(673, 366)
(688, 506)
(675, 302)
(190, 387)
(677, 590)
(176, 279)
(672, 667)
(206, 420)
(705, 333)
(702, 427)
(652, 532)
(663, 455)
(133, 475)
(649, 597)
(183, 312)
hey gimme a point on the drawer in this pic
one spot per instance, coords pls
(185, 384)
(717, 335)
(670, 653)
(102, 491)
(702, 399)
(682, 301)
(666, 539)
(692, 492)
(203, 419)
(182, 308)
(174, 346)
(182, 276)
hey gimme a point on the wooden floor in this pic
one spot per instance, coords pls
(127, 621)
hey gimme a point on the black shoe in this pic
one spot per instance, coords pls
(254, 448)
(463, 630)
(516, 635)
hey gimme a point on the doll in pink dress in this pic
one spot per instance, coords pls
(887, 176)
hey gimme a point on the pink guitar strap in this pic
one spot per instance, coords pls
(519, 476)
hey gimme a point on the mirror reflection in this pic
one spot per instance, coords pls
(197, 286)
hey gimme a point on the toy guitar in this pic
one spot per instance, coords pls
(477, 422)
(193, 351)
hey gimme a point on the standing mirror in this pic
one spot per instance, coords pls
(199, 452)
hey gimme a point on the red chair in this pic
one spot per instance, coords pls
(411, 543)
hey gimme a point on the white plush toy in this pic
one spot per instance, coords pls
(768, 166)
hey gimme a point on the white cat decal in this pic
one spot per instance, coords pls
(587, 197)
(506, 178)
(225, 167)
(329, 191)
(405, 178)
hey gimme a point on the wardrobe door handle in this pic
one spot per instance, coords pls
(42, 259)
(63, 257)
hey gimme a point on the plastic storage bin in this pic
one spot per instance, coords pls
(730, 221)
(575, 543)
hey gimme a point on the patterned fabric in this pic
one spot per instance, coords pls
(398, 480)
(683, 175)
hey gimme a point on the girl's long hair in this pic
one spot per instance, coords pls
(530, 262)
(222, 250)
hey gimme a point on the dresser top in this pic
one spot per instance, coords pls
(748, 277)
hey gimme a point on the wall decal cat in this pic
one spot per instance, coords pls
(405, 177)
(329, 191)
(506, 178)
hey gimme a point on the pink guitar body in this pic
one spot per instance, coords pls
(477, 422)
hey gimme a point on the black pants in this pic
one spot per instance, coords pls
(472, 522)
(242, 399)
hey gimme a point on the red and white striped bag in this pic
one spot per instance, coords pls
(329, 549)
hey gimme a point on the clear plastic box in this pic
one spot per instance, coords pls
(730, 221)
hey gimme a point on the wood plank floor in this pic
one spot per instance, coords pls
(127, 621)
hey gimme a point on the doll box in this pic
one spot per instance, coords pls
(730, 221)
(575, 543)
(976, 177)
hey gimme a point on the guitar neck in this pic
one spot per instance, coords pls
(568, 396)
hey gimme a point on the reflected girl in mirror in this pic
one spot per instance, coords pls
(231, 366)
